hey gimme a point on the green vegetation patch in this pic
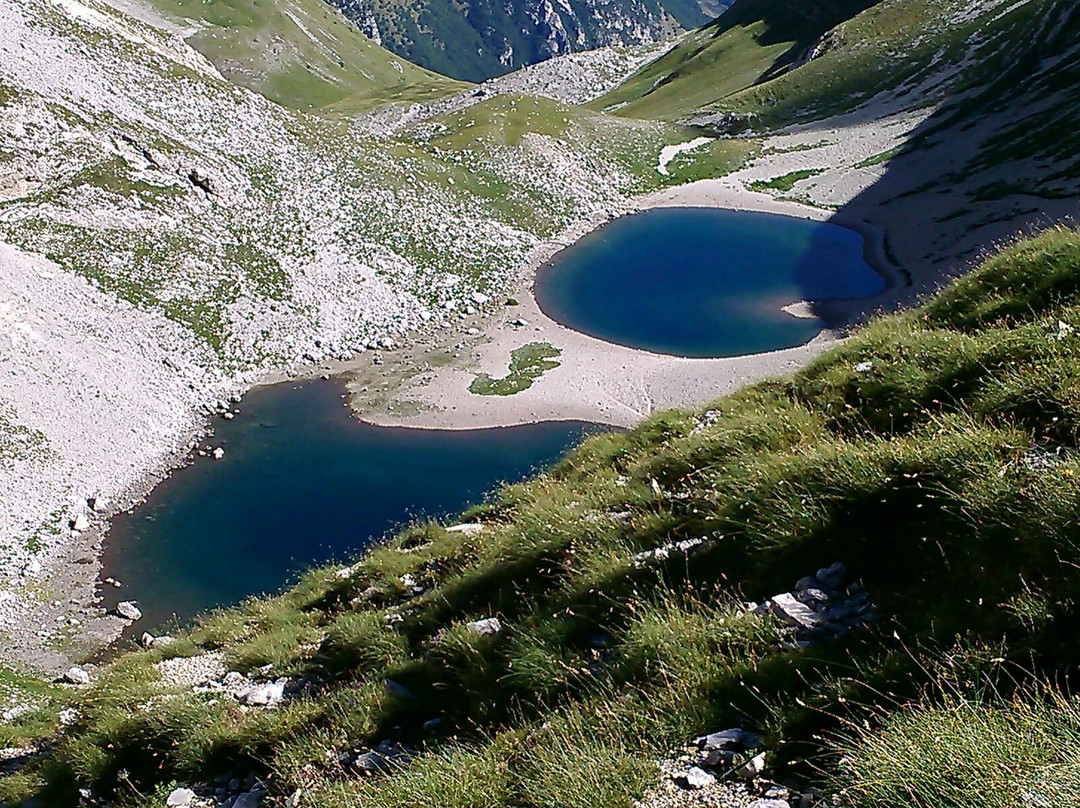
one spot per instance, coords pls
(527, 364)
(786, 182)
(303, 54)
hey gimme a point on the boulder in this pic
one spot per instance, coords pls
(249, 799)
(791, 611)
(696, 778)
(725, 739)
(180, 797)
(77, 676)
(268, 694)
(832, 576)
(218, 453)
(487, 627)
(752, 768)
(385, 757)
(128, 610)
(467, 529)
(80, 523)
(396, 689)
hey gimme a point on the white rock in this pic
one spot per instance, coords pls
(128, 610)
(77, 676)
(479, 298)
(864, 367)
(698, 778)
(348, 572)
(268, 694)
(68, 717)
(752, 768)
(80, 523)
(791, 611)
(218, 453)
(486, 627)
(180, 797)
(470, 529)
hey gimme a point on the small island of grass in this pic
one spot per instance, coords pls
(527, 364)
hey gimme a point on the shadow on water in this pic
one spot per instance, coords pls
(702, 282)
(303, 482)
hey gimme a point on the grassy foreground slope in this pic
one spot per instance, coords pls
(934, 453)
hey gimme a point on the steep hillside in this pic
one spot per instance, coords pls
(754, 41)
(300, 53)
(479, 39)
(590, 622)
(766, 65)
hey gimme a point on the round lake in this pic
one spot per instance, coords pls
(702, 282)
(303, 482)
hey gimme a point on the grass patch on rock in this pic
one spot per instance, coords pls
(785, 182)
(527, 364)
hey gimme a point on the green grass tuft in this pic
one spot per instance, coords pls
(527, 364)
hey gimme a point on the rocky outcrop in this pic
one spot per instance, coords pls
(480, 39)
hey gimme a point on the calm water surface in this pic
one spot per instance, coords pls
(703, 282)
(303, 482)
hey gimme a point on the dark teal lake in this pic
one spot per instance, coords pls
(302, 482)
(703, 282)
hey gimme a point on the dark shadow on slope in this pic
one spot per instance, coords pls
(998, 159)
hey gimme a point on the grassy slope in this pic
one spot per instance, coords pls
(915, 472)
(754, 41)
(301, 53)
(743, 64)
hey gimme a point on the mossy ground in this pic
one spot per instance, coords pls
(934, 472)
(527, 364)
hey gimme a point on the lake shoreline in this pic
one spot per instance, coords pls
(614, 384)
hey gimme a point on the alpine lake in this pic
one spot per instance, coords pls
(303, 482)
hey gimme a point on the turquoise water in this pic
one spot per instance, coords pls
(703, 282)
(302, 482)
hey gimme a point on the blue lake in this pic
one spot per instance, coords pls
(703, 282)
(303, 482)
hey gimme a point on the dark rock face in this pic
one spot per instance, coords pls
(476, 40)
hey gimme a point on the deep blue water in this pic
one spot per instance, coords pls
(703, 282)
(302, 482)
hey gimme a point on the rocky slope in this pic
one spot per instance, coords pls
(168, 236)
(479, 39)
